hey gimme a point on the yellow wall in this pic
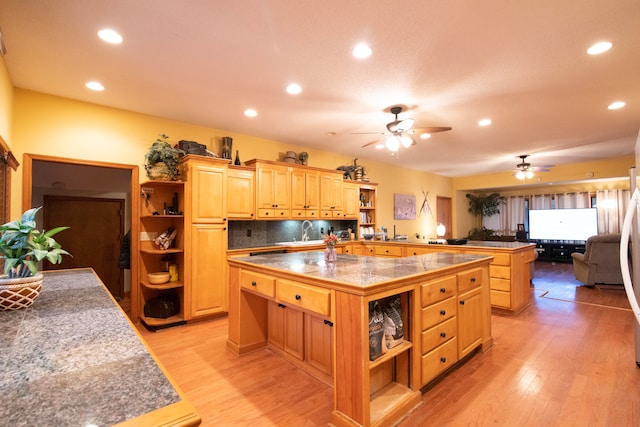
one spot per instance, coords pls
(54, 126)
(6, 103)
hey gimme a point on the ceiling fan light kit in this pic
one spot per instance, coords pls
(401, 131)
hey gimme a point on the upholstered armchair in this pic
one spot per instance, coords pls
(600, 262)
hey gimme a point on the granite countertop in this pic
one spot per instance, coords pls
(73, 359)
(358, 271)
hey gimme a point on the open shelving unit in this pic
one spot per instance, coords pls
(368, 196)
(154, 220)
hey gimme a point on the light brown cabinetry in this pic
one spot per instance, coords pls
(305, 194)
(206, 223)
(156, 195)
(273, 190)
(331, 197)
(351, 200)
(241, 199)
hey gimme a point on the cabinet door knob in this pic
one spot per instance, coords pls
(224, 229)
(282, 305)
(462, 302)
(443, 290)
(224, 219)
(328, 322)
(254, 284)
(298, 297)
(443, 359)
(443, 334)
(443, 312)
(473, 280)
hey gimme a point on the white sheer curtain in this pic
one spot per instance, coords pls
(540, 201)
(506, 222)
(573, 200)
(612, 205)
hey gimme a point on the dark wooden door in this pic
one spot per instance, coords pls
(97, 228)
(443, 214)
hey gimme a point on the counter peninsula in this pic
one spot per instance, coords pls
(74, 359)
(316, 314)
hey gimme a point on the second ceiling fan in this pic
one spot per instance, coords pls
(401, 132)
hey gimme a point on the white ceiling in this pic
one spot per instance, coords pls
(521, 63)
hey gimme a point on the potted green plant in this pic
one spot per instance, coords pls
(23, 246)
(162, 161)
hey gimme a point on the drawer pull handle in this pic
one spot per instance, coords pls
(282, 305)
(462, 302)
(443, 290)
(443, 334)
(254, 284)
(443, 312)
(473, 280)
(298, 297)
(443, 359)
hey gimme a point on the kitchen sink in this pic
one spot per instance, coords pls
(300, 243)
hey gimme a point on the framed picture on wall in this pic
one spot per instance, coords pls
(404, 206)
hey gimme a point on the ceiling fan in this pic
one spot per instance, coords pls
(401, 131)
(524, 170)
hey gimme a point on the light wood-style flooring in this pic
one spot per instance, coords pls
(561, 362)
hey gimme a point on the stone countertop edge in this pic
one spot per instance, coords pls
(73, 358)
(356, 272)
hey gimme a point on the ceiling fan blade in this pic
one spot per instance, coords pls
(367, 133)
(432, 129)
(370, 143)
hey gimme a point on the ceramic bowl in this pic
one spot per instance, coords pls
(158, 278)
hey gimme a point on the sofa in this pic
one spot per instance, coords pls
(600, 262)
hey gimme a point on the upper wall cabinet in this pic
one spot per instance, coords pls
(305, 194)
(331, 203)
(351, 200)
(205, 193)
(273, 190)
(241, 199)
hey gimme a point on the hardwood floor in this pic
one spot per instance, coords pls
(561, 362)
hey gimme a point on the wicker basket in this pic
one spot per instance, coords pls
(19, 292)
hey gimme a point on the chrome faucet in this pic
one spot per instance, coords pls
(305, 237)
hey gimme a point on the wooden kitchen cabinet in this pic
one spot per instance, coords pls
(351, 200)
(305, 194)
(206, 237)
(319, 343)
(241, 199)
(208, 290)
(286, 329)
(273, 190)
(331, 197)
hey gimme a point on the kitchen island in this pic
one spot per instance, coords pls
(74, 359)
(316, 314)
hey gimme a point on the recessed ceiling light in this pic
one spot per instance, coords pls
(94, 86)
(250, 113)
(110, 36)
(616, 105)
(425, 136)
(362, 51)
(599, 47)
(294, 89)
(484, 122)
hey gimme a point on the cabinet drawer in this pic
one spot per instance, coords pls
(469, 279)
(501, 259)
(439, 334)
(437, 290)
(501, 298)
(258, 282)
(529, 256)
(437, 313)
(439, 359)
(298, 213)
(500, 272)
(306, 297)
(500, 284)
(395, 251)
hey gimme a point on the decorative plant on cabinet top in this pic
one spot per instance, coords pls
(162, 161)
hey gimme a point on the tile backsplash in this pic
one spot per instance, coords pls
(253, 234)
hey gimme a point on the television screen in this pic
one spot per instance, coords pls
(563, 224)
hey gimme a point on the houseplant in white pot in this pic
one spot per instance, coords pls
(23, 246)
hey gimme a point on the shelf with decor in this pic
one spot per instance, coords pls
(160, 212)
(367, 219)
